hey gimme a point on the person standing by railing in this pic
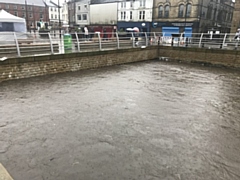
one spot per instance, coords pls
(86, 33)
(237, 35)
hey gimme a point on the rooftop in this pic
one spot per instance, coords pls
(29, 2)
(104, 1)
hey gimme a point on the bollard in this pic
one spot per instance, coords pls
(172, 41)
(67, 40)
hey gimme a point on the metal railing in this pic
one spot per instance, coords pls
(34, 44)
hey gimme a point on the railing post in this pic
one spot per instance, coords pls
(154, 35)
(200, 41)
(163, 38)
(51, 44)
(100, 42)
(236, 45)
(78, 43)
(17, 45)
(180, 39)
(146, 38)
(224, 40)
(118, 44)
(133, 40)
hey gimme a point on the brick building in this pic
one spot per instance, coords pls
(192, 16)
(32, 10)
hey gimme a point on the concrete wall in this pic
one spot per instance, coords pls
(25, 67)
(216, 57)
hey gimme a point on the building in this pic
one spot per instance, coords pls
(33, 11)
(72, 12)
(192, 16)
(65, 13)
(55, 13)
(82, 13)
(135, 13)
(103, 17)
(236, 17)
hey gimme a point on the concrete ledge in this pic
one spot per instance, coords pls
(4, 175)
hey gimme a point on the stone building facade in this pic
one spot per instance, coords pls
(192, 16)
(236, 17)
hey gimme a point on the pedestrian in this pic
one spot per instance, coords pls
(237, 35)
(105, 34)
(86, 33)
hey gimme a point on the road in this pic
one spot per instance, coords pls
(142, 121)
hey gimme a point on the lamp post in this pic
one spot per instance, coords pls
(185, 21)
(59, 23)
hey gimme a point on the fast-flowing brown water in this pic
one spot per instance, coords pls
(149, 120)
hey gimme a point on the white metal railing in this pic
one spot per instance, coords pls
(33, 44)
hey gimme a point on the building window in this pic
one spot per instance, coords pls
(14, 7)
(130, 14)
(160, 11)
(55, 16)
(51, 16)
(123, 4)
(85, 6)
(41, 16)
(7, 6)
(29, 8)
(84, 17)
(189, 10)
(41, 9)
(214, 14)
(16, 13)
(24, 15)
(220, 15)
(79, 17)
(141, 15)
(166, 11)
(30, 15)
(79, 8)
(51, 9)
(23, 7)
(180, 10)
(123, 15)
(209, 11)
(142, 3)
(131, 4)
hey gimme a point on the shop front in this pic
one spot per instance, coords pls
(169, 28)
(142, 26)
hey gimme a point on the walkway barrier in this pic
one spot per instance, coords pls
(29, 44)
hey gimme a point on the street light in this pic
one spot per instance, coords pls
(185, 24)
(59, 20)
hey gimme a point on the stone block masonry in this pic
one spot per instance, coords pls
(215, 57)
(25, 67)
